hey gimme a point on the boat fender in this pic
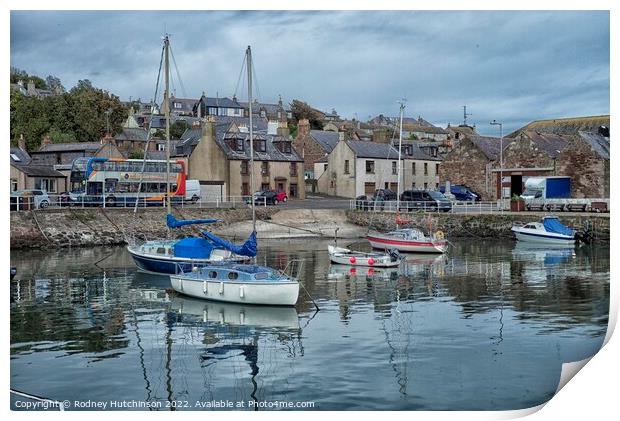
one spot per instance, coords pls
(371, 261)
(221, 288)
(439, 235)
(204, 287)
(241, 293)
(352, 259)
(181, 284)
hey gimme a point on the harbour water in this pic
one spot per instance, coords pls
(486, 327)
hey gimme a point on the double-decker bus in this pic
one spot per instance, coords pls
(95, 181)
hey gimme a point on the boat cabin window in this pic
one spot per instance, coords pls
(530, 226)
(233, 275)
(212, 274)
(262, 275)
(161, 250)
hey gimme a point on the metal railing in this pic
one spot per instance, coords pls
(428, 206)
(56, 201)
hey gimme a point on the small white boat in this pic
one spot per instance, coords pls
(238, 283)
(345, 256)
(548, 231)
(410, 240)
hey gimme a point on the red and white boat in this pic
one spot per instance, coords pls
(357, 258)
(410, 240)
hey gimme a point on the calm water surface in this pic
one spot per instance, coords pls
(485, 327)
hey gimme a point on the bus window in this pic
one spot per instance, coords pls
(109, 166)
(93, 189)
(136, 166)
(122, 187)
(123, 166)
(96, 165)
(110, 185)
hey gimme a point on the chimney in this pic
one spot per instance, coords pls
(303, 127)
(340, 136)
(108, 139)
(283, 129)
(45, 141)
(379, 136)
(280, 100)
(208, 129)
(31, 89)
(21, 142)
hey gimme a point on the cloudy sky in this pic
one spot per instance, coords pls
(511, 66)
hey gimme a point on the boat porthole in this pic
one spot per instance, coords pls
(233, 275)
(212, 274)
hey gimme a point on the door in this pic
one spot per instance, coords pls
(369, 189)
(516, 185)
(280, 186)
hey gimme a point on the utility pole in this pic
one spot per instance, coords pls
(501, 161)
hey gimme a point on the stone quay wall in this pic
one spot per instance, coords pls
(97, 226)
(482, 225)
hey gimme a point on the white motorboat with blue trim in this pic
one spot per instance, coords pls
(548, 231)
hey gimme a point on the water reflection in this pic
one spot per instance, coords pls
(438, 332)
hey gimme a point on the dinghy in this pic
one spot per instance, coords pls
(345, 256)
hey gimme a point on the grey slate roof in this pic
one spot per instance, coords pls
(132, 134)
(258, 123)
(191, 137)
(223, 102)
(598, 142)
(490, 146)
(22, 155)
(418, 153)
(366, 149)
(551, 144)
(69, 147)
(39, 171)
(327, 140)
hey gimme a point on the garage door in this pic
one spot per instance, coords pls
(212, 191)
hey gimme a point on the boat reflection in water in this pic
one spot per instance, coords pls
(213, 312)
(547, 254)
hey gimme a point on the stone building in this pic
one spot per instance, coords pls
(24, 174)
(218, 155)
(586, 160)
(314, 145)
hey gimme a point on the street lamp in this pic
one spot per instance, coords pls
(501, 160)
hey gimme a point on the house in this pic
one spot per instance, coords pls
(206, 106)
(29, 89)
(24, 174)
(565, 126)
(64, 153)
(471, 163)
(133, 140)
(355, 168)
(421, 166)
(272, 112)
(586, 160)
(314, 145)
(218, 154)
(181, 106)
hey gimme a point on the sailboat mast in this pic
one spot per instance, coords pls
(167, 114)
(248, 54)
(400, 142)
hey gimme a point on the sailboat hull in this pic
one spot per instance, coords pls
(262, 293)
(383, 242)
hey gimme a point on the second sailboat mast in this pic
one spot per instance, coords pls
(248, 54)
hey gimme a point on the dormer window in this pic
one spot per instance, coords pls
(260, 145)
(177, 105)
(284, 147)
(239, 145)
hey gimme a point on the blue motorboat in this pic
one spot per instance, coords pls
(548, 231)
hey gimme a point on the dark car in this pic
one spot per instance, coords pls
(462, 192)
(268, 197)
(384, 195)
(363, 203)
(427, 200)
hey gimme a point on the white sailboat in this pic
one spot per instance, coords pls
(240, 283)
(406, 239)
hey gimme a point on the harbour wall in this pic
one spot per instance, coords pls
(97, 226)
(494, 225)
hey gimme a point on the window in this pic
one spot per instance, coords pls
(437, 186)
(260, 145)
(161, 147)
(394, 169)
(436, 169)
(264, 186)
(413, 185)
(346, 166)
(245, 168)
(324, 167)
(239, 145)
(233, 275)
(293, 190)
(293, 169)
(263, 114)
(370, 167)
(245, 189)
(177, 105)
(425, 186)
(13, 184)
(425, 170)
(47, 184)
(264, 168)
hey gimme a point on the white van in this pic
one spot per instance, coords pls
(192, 190)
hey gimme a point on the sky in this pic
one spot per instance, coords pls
(509, 66)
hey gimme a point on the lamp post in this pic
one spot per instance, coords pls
(501, 160)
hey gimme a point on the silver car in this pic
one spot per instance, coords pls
(41, 198)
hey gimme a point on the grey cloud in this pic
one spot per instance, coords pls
(511, 66)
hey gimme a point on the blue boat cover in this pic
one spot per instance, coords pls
(193, 247)
(246, 249)
(553, 224)
(172, 222)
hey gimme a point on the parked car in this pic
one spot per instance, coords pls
(269, 197)
(461, 192)
(29, 199)
(384, 195)
(429, 200)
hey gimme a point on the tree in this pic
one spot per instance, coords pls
(18, 74)
(54, 84)
(302, 110)
(177, 129)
